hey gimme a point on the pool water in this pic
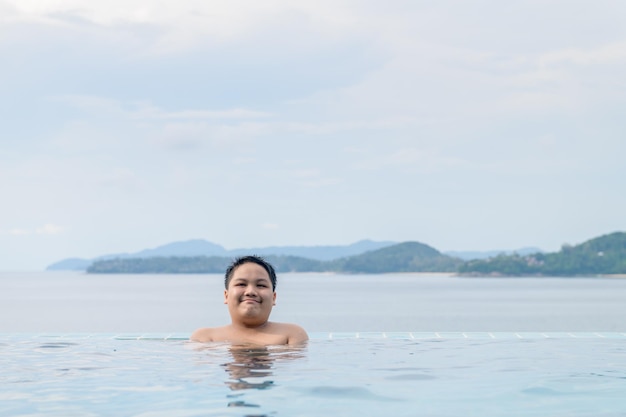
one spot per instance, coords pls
(347, 374)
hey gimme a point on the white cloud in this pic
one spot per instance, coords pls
(46, 229)
(614, 52)
(312, 178)
(50, 229)
(564, 80)
(19, 232)
(187, 129)
(195, 134)
(538, 102)
(184, 23)
(184, 136)
(90, 103)
(139, 110)
(120, 178)
(156, 113)
(320, 182)
(302, 104)
(244, 160)
(306, 173)
(269, 226)
(410, 159)
(376, 123)
(225, 15)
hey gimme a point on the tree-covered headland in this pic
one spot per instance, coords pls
(600, 256)
(403, 257)
(603, 255)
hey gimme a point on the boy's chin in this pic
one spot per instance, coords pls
(251, 312)
(250, 309)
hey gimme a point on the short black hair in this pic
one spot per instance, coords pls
(250, 259)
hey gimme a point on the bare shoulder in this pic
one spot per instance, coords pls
(273, 334)
(295, 334)
(207, 334)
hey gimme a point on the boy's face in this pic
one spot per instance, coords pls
(250, 296)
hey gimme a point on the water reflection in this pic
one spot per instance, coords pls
(249, 362)
(252, 368)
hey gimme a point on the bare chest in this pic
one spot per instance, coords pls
(252, 337)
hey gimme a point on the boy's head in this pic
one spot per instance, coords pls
(250, 259)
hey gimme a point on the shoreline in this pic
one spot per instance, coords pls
(417, 274)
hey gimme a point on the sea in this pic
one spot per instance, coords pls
(75, 344)
(68, 301)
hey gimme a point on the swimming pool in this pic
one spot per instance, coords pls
(338, 374)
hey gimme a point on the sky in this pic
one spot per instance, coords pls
(482, 125)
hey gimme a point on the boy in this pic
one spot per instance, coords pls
(250, 293)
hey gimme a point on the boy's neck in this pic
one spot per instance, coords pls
(249, 326)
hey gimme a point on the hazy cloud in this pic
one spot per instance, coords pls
(50, 229)
(614, 52)
(19, 232)
(396, 120)
(412, 159)
(121, 178)
(47, 229)
(155, 113)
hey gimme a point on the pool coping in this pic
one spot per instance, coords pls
(335, 335)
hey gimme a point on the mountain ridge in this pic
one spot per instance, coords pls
(602, 255)
(202, 247)
(401, 257)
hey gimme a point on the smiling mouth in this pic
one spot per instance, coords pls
(251, 300)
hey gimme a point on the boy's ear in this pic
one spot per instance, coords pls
(274, 298)
(225, 296)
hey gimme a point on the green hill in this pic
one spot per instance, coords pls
(195, 265)
(599, 256)
(403, 257)
(160, 265)
(199, 248)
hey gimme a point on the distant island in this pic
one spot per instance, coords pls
(603, 255)
(202, 248)
(402, 257)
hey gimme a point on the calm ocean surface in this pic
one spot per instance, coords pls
(48, 372)
(48, 376)
(77, 302)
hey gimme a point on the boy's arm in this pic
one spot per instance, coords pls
(202, 335)
(297, 335)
